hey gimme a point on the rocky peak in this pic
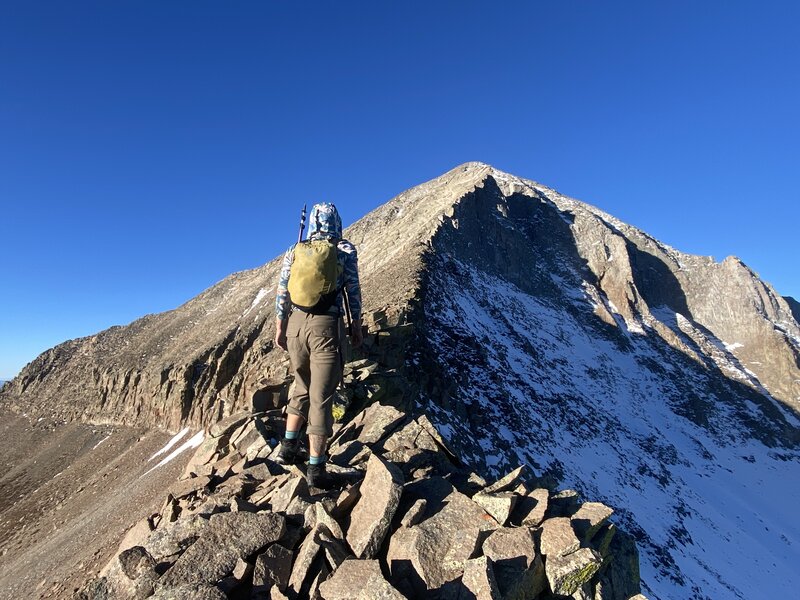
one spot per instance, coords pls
(528, 328)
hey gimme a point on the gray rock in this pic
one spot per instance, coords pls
(589, 518)
(619, 579)
(175, 537)
(135, 536)
(228, 537)
(346, 501)
(566, 574)
(508, 482)
(405, 437)
(316, 513)
(282, 498)
(517, 566)
(558, 538)
(418, 552)
(358, 580)
(372, 514)
(242, 570)
(530, 508)
(229, 424)
(131, 575)
(414, 514)
(203, 455)
(305, 557)
(479, 580)
(499, 504)
(379, 421)
(185, 487)
(189, 592)
(563, 504)
(336, 551)
(273, 567)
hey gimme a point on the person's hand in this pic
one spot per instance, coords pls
(280, 334)
(356, 334)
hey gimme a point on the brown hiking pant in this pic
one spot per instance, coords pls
(313, 342)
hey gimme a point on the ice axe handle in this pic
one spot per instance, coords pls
(302, 224)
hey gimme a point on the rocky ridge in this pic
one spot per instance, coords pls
(404, 521)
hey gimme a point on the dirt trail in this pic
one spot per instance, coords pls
(68, 493)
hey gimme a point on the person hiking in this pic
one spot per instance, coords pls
(309, 307)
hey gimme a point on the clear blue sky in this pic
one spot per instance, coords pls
(149, 149)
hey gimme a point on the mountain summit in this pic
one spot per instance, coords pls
(532, 328)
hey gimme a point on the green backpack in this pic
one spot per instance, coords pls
(315, 271)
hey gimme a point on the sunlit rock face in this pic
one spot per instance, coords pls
(532, 328)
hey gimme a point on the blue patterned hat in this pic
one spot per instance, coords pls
(325, 220)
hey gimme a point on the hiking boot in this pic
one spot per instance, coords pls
(287, 455)
(318, 477)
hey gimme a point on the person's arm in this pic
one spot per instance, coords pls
(352, 286)
(282, 299)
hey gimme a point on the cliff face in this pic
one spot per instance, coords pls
(531, 328)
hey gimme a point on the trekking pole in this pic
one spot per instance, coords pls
(302, 224)
(348, 317)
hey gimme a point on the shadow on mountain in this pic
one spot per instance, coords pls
(531, 245)
(794, 306)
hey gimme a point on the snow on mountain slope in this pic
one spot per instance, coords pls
(559, 338)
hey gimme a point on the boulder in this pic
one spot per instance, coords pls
(405, 437)
(590, 518)
(132, 574)
(499, 504)
(336, 551)
(566, 574)
(229, 424)
(563, 504)
(305, 557)
(135, 536)
(316, 513)
(456, 522)
(558, 538)
(204, 454)
(283, 497)
(602, 539)
(228, 537)
(414, 514)
(530, 508)
(183, 488)
(508, 482)
(189, 592)
(358, 580)
(346, 501)
(372, 514)
(266, 490)
(175, 537)
(619, 579)
(379, 421)
(273, 567)
(434, 435)
(479, 580)
(517, 566)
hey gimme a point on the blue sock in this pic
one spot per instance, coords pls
(290, 435)
(316, 460)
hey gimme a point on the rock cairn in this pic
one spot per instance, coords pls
(404, 520)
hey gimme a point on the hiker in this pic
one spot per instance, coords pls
(309, 307)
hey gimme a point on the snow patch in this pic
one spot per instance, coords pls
(101, 441)
(259, 297)
(171, 443)
(192, 442)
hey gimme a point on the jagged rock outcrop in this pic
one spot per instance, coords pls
(309, 543)
(517, 326)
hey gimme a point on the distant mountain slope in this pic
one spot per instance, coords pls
(539, 329)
